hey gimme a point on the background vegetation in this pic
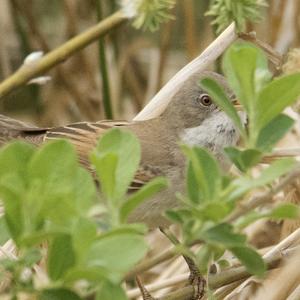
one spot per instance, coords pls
(71, 252)
(138, 62)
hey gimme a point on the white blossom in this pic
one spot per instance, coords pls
(129, 7)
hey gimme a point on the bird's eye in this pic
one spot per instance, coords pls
(205, 100)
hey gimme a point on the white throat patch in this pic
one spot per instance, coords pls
(214, 133)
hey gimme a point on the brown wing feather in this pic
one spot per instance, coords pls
(83, 135)
(11, 129)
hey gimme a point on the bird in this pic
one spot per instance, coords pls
(191, 118)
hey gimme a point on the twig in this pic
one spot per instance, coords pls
(223, 291)
(278, 288)
(278, 250)
(295, 295)
(274, 56)
(160, 285)
(217, 280)
(190, 26)
(160, 101)
(272, 258)
(60, 54)
(76, 94)
(265, 197)
(284, 152)
(289, 241)
(103, 69)
(168, 254)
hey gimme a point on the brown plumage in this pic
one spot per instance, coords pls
(190, 117)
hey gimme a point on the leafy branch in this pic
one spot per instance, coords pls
(239, 11)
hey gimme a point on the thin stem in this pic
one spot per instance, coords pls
(60, 54)
(106, 98)
(161, 100)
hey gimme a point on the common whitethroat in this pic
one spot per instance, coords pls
(191, 117)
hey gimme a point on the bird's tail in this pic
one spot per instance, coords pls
(11, 129)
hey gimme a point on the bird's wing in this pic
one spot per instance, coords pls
(84, 136)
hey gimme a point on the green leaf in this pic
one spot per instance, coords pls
(58, 294)
(285, 211)
(250, 259)
(91, 274)
(245, 159)
(83, 235)
(32, 257)
(38, 236)
(193, 188)
(273, 132)
(61, 256)
(14, 158)
(246, 69)
(223, 235)
(275, 97)
(206, 171)
(84, 189)
(116, 159)
(274, 171)
(249, 218)
(147, 191)
(117, 253)
(106, 167)
(175, 216)
(109, 291)
(203, 257)
(214, 211)
(54, 164)
(220, 98)
(53, 185)
(4, 233)
(12, 190)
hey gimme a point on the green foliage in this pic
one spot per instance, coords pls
(209, 201)
(273, 132)
(243, 159)
(51, 200)
(283, 211)
(58, 294)
(203, 173)
(211, 196)
(48, 198)
(246, 69)
(149, 14)
(116, 159)
(240, 11)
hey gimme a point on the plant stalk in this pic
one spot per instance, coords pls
(106, 98)
(60, 54)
